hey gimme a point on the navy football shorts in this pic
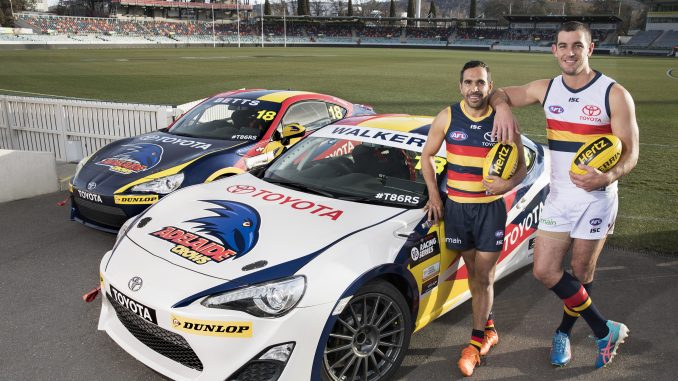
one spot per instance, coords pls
(475, 226)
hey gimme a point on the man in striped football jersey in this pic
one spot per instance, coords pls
(475, 213)
(580, 210)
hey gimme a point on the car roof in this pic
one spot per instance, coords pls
(277, 96)
(415, 124)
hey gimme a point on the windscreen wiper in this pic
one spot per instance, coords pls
(301, 187)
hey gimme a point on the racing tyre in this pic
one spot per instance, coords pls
(370, 337)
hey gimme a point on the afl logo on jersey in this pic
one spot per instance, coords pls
(555, 109)
(591, 110)
(458, 135)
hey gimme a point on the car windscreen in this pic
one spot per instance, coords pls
(354, 170)
(227, 119)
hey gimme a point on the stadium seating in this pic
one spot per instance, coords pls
(145, 30)
(644, 38)
(667, 40)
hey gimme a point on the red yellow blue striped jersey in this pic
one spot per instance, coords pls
(467, 140)
(572, 118)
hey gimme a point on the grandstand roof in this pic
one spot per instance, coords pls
(564, 18)
(179, 4)
(375, 19)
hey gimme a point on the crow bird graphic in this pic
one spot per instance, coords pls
(236, 225)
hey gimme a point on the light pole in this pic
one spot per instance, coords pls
(237, 11)
(284, 23)
(214, 38)
(262, 23)
(11, 7)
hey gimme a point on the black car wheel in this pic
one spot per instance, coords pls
(370, 337)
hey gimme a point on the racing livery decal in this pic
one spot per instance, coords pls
(236, 225)
(294, 203)
(135, 158)
(133, 200)
(177, 141)
(141, 310)
(213, 328)
(424, 249)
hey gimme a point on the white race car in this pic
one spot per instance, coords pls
(319, 267)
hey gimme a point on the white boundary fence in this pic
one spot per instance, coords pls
(74, 128)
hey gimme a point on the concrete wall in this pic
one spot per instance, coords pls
(26, 174)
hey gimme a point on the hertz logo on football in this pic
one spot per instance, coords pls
(601, 152)
(501, 161)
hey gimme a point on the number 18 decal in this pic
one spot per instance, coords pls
(266, 115)
(335, 111)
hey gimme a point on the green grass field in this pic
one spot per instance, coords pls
(393, 81)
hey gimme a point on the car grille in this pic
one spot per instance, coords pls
(166, 343)
(101, 214)
(259, 370)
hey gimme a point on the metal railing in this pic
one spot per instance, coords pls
(74, 128)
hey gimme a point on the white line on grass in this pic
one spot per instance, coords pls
(666, 264)
(610, 268)
(669, 73)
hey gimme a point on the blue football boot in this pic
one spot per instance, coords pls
(560, 349)
(607, 346)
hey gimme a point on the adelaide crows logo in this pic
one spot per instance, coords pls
(235, 226)
(134, 158)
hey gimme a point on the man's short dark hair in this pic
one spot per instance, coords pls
(574, 26)
(471, 65)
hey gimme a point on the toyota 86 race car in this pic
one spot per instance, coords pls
(210, 141)
(319, 266)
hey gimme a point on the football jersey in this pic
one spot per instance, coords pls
(467, 141)
(574, 117)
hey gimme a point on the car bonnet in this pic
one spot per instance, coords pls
(233, 227)
(132, 159)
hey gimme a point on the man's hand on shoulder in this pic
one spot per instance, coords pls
(505, 125)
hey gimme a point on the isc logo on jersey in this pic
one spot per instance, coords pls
(601, 153)
(501, 161)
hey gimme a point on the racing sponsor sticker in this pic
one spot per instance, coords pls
(431, 271)
(235, 229)
(134, 158)
(377, 136)
(424, 249)
(292, 202)
(213, 328)
(430, 278)
(89, 196)
(136, 199)
(178, 141)
(144, 312)
(394, 197)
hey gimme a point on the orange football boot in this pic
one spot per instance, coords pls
(470, 358)
(491, 339)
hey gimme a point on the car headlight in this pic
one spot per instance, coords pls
(81, 164)
(271, 299)
(162, 185)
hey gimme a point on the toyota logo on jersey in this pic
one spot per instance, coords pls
(591, 110)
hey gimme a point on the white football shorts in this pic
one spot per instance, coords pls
(582, 219)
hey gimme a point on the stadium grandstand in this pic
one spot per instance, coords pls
(660, 36)
(162, 23)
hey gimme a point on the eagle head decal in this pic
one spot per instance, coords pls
(236, 225)
(134, 158)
